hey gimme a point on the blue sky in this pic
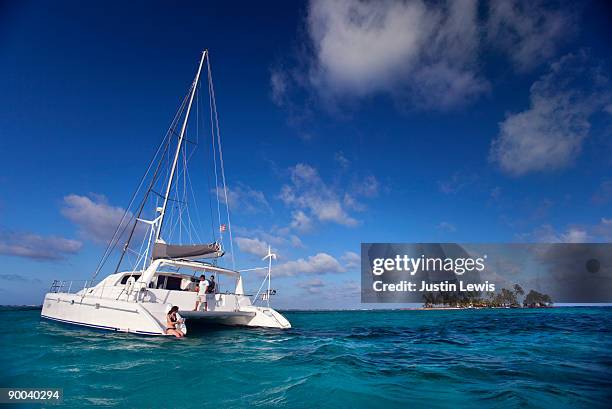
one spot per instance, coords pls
(342, 122)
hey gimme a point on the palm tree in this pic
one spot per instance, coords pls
(518, 290)
(428, 299)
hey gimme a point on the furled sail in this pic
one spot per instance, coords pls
(163, 250)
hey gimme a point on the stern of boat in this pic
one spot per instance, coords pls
(267, 317)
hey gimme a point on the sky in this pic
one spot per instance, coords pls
(342, 122)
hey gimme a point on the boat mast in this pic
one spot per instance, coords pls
(178, 146)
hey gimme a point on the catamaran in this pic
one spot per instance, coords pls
(163, 275)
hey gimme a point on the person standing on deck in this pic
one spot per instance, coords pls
(211, 285)
(202, 290)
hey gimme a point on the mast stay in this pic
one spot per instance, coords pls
(155, 246)
(178, 147)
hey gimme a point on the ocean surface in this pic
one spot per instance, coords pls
(545, 358)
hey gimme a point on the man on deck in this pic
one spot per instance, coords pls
(211, 285)
(202, 290)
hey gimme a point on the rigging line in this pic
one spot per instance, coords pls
(133, 229)
(185, 138)
(176, 213)
(193, 228)
(198, 88)
(210, 206)
(172, 222)
(195, 203)
(176, 225)
(180, 207)
(181, 173)
(141, 254)
(187, 229)
(162, 196)
(176, 154)
(185, 225)
(185, 183)
(187, 198)
(229, 223)
(214, 151)
(187, 180)
(115, 238)
(166, 137)
(166, 140)
(170, 170)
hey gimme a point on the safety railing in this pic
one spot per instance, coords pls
(68, 286)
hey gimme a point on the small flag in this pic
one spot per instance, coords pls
(266, 296)
(222, 228)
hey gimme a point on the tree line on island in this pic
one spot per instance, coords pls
(505, 298)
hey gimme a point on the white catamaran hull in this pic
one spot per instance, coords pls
(149, 318)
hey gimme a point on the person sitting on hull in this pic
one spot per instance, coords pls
(172, 321)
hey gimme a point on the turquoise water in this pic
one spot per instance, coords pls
(558, 358)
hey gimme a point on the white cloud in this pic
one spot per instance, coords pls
(277, 237)
(446, 226)
(252, 246)
(36, 247)
(342, 160)
(351, 259)
(19, 278)
(96, 219)
(279, 85)
(574, 235)
(549, 135)
(321, 263)
(367, 186)
(300, 221)
(548, 234)
(457, 182)
(308, 192)
(528, 31)
(362, 187)
(244, 199)
(600, 232)
(312, 286)
(604, 230)
(350, 202)
(425, 52)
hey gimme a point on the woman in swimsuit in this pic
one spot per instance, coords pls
(171, 322)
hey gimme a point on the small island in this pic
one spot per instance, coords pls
(505, 298)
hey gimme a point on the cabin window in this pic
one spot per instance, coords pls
(126, 277)
(173, 283)
(168, 282)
